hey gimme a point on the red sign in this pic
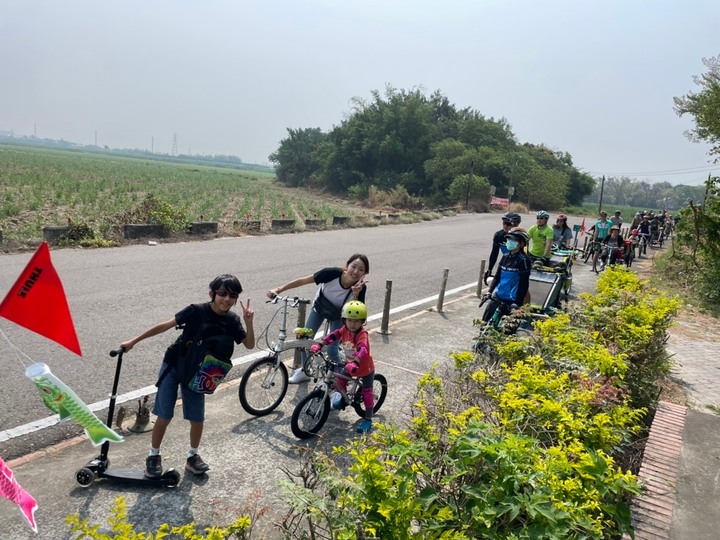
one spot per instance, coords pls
(497, 201)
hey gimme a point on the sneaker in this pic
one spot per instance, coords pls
(298, 376)
(153, 466)
(196, 465)
(336, 400)
(365, 426)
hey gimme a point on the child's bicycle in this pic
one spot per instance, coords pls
(265, 382)
(313, 410)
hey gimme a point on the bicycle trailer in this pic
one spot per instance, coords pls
(545, 288)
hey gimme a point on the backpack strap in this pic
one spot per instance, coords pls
(183, 340)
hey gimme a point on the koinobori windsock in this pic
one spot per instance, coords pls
(59, 398)
(12, 491)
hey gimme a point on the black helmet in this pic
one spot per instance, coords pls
(513, 218)
(518, 234)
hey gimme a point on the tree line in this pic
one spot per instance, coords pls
(433, 151)
(644, 195)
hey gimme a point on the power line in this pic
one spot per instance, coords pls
(707, 168)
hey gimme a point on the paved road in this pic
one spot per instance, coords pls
(116, 293)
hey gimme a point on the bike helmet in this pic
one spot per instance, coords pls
(354, 310)
(518, 234)
(513, 218)
(542, 214)
(615, 228)
(634, 232)
(562, 217)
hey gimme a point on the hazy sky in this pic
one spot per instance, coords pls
(594, 78)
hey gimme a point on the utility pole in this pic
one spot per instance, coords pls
(602, 188)
(469, 183)
(511, 187)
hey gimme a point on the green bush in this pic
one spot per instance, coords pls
(523, 443)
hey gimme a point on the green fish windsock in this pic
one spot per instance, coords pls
(59, 398)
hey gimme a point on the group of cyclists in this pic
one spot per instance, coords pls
(522, 249)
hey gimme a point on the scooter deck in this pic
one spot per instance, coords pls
(136, 475)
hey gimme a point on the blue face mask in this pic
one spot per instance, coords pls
(511, 244)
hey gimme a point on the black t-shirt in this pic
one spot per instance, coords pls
(192, 317)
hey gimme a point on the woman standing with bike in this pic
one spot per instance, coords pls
(337, 286)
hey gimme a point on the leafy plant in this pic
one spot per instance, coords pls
(120, 529)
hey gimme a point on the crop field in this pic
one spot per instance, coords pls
(46, 187)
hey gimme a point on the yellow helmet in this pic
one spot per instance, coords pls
(354, 310)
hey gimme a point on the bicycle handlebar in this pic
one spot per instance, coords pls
(294, 300)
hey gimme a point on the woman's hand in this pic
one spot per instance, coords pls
(272, 293)
(358, 286)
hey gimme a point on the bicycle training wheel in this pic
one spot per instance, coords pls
(310, 414)
(263, 386)
(379, 391)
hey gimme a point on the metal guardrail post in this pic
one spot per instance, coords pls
(386, 309)
(441, 296)
(300, 322)
(478, 293)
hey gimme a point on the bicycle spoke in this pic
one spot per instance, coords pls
(263, 386)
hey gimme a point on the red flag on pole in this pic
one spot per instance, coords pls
(582, 227)
(37, 302)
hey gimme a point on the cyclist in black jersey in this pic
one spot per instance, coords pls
(509, 220)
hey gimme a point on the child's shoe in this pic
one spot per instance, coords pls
(336, 400)
(196, 465)
(365, 426)
(153, 466)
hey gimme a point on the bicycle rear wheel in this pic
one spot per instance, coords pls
(630, 257)
(310, 414)
(379, 391)
(263, 386)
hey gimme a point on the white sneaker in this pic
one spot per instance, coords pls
(298, 376)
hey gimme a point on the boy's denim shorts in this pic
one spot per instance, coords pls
(193, 403)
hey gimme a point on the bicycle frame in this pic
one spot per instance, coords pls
(283, 343)
(330, 379)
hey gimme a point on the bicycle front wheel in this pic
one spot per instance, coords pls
(379, 391)
(263, 386)
(310, 414)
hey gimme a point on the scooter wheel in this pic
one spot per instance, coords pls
(171, 478)
(85, 477)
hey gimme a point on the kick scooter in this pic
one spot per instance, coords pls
(100, 466)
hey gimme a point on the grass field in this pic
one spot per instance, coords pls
(46, 187)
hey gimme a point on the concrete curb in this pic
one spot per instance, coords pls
(652, 512)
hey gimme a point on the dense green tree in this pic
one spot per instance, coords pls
(424, 145)
(300, 156)
(704, 106)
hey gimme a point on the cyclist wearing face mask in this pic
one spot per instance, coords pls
(509, 220)
(512, 280)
